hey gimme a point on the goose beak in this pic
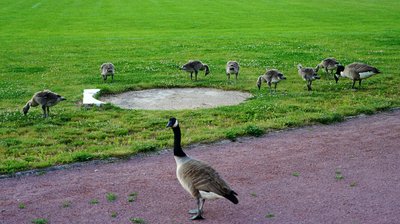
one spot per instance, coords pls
(170, 124)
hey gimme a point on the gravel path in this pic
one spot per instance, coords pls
(342, 173)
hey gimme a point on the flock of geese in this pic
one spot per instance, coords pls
(356, 71)
(197, 177)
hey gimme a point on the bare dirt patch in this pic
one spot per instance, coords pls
(342, 173)
(176, 98)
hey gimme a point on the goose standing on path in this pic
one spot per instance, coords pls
(232, 67)
(357, 72)
(329, 65)
(196, 177)
(46, 99)
(270, 76)
(195, 66)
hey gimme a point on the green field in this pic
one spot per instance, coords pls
(60, 45)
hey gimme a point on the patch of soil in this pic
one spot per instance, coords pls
(176, 98)
(342, 173)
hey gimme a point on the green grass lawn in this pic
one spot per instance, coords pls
(60, 45)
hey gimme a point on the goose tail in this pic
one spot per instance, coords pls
(231, 197)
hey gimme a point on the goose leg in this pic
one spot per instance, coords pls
(48, 111)
(236, 76)
(229, 76)
(269, 86)
(359, 83)
(354, 82)
(309, 85)
(191, 76)
(275, 87)
(195, 75)
(44, 110)
(199, 212)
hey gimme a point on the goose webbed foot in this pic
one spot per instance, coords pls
(197, 217)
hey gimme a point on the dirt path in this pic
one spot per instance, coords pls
(287, 177)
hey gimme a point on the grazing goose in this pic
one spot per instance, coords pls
(270, 76)
(232, 67)
(195, 66)
(107, 69)
(329, 65)
(196, 177)
(46, 99)
(357, 72)
(308, 74)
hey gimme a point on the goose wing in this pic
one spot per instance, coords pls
(46, 97)
(203, 177)
(361, 68)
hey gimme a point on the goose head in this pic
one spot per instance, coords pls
(281, 76)
(339, 71)
(172, 123)
(60, 98)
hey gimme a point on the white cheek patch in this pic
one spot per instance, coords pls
(176, 124)
(342, 74)
(364, 75)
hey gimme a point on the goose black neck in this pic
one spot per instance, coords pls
(177, 142)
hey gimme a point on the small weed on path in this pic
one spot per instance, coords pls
(137, 220)
(132, 197)
(66, 204)
(339, 175)
(21, 205)
(269, 215)
(111, 197)
(40, 221)
(94, 201)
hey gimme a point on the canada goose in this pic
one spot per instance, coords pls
(232, 67)
(308, 74)
(107, 69)
(195, 66)
(270, 76)
(329, 65)
(196, 177)
(357, 72)
(46, 99)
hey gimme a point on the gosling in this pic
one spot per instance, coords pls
(197, 177)
(107, 69)
(308, 74)
(195, 66)
(329, 65)
(46, 99)
(232, 67)
(357, 72)
(271, 76)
